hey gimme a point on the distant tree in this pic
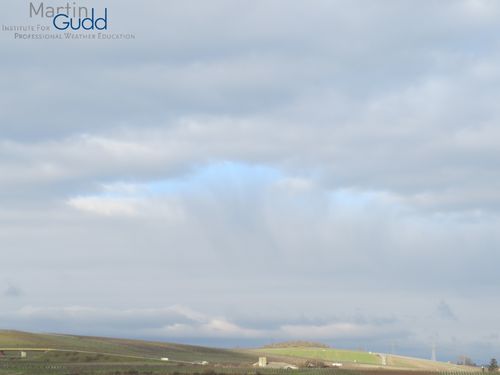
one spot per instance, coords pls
(493, 366)
(297, 344)
(465, 361)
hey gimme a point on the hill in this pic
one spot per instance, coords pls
(320, 353)
(24, 353)
(112, 347)
(352, 359)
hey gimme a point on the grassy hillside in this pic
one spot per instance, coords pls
(358, 359)
(122, 347)
(424, 364)
(323, 354)
(56, 354)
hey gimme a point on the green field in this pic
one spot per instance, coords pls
(324, 354)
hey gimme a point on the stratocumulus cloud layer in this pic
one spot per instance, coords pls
(250, 171)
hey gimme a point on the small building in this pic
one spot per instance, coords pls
(164, 359)
(274, 365)
(262, 361)
(23, 355)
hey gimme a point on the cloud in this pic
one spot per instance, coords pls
(180, 322)
(329, 331)
(104, 206)
(295, 184)
(296, 111)
(214, 328)
(13, 291)
(445, 311)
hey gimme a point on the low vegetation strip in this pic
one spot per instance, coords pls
(296, 344)
(152, 369)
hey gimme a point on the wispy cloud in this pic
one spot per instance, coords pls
(445, 311)
(13, 291)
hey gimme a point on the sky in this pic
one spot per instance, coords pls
(246, 172)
